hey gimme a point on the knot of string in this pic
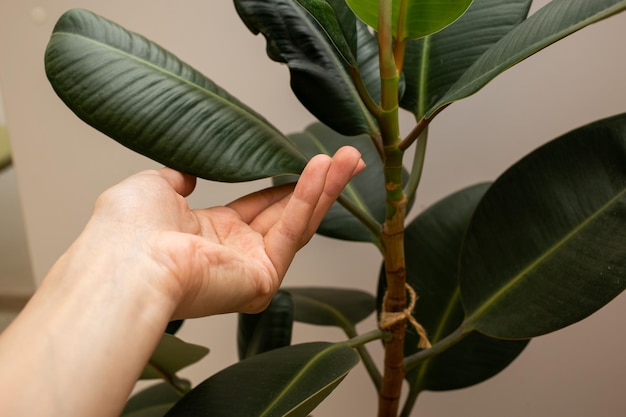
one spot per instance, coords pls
(388, 318)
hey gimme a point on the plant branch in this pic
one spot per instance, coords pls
(358, 342)
(418, 129)
(409, 403)
(364, 217)
(418, 166)
(181, 386)
(414, 134)
(364, 93)
(442, 345)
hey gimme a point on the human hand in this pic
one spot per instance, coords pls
(143, 259)
(219, 259)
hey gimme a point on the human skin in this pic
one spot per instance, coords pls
(143, 259)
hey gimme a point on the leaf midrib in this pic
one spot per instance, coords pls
(297, 377)
(473, 318)
(260, 121)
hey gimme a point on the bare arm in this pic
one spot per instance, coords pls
(143, 259)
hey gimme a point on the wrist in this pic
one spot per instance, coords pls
(109, 263)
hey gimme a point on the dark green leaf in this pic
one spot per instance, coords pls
(331, 306)
(420, 18)
(556, 20)
(367, 56)
(290, 381)
(174, 326)
(270, 329)
(433, 64)
(547, 244)
(153, 401)
(172, 355)
(324, 14)
(320, 76)
(432, 245)
(145, 98)
(347, 22)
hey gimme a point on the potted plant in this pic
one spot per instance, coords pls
(466, 284)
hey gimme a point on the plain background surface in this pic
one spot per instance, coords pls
(62, 165)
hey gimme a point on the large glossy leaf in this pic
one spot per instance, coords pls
(270, 329)
(556, 20)
(324, 306)
(172, 355)
(325, 15)
(320, 75)
(547, 244)
(367, 57)
(432, 247)
(433, 64)
(153, 401)
(347, 23)
(145, 98)
(420, 18)
(289, 381)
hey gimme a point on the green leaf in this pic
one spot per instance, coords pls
(421, 18)
(432, 245)
(174, 326)
(270, 329)
(172, 355)
(367, 57)
(153, 401)
(320, 76)
(290, 381)
(324, 14)
(324, 306)
(148, 100)
(556, 20)
(547, 244)
(433, 64)
(5, 148)
(347, 22)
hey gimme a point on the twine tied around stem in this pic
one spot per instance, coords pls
(388, 318)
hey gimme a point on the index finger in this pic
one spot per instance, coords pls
(320, 184)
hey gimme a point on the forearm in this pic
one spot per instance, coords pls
(80, 344)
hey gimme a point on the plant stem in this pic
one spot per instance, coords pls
(393, 229)
(358, 342)
(368, 221)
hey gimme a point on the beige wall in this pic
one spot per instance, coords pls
(62, 165)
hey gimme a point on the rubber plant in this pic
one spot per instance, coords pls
(493, 265)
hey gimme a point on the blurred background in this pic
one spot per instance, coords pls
(60, 165)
